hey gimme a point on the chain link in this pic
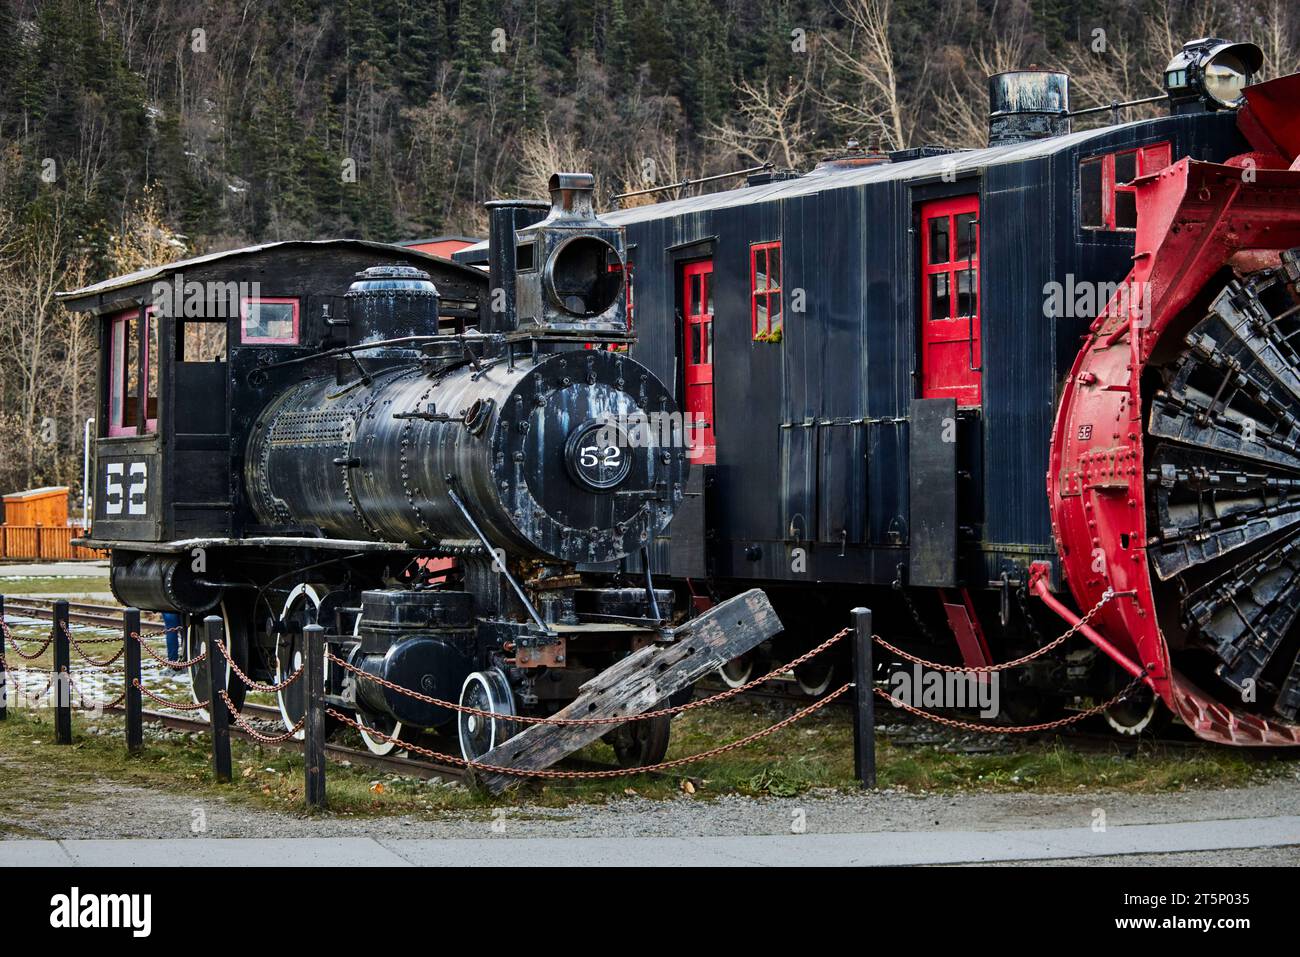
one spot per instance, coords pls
(589, 722)
(85, 655)
(1018, 729)
(178, 665)
(179, 706)
(252, 732)
(255, 685)
(18, 648)
(988, 669)
(589, 775)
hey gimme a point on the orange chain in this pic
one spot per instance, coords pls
(987, 669)
(85, 656)
(258, 686)
(620, 772)
(589, 722)
(1020, 729)
(18, 648)
(170, 704)
(159, 658)
(252, 732)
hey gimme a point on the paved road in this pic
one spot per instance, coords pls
(880, 848)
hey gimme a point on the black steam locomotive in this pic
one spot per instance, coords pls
(318, 452)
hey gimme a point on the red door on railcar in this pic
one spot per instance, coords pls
(698, 353)
(950, 308)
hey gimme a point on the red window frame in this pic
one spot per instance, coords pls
(1147, 159)
(942, 375)
(267, 340)
(119, 374)
(768, 293)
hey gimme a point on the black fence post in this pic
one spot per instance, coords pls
(131, 639)
(313, 751)
(4, 668)
(864, 701)
(62, 674)
(218, 713)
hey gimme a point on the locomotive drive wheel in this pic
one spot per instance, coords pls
(236, 622)
(641, 743)
(289, 647)
(1223, 473)
(487, 691)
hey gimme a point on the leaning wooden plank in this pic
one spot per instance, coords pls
(639, 682)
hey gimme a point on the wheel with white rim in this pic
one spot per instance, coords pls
(738, 671)
(485, 691)
(1140, 712)
(235, 630)
(815, 675)
(383, 726)
(301, 607)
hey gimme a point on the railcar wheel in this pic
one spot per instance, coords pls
(738, 671)
(289, 647)
(641, 743)
(815, 675)
(236, 625)
(1135, 715)
(487, 691)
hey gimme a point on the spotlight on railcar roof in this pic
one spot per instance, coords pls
(1211, 74)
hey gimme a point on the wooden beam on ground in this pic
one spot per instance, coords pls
(638, 683)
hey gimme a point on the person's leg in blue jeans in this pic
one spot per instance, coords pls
(172, 622)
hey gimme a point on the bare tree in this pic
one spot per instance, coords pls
(772, 127)
(876, 105)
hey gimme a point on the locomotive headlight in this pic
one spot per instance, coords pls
(578, 277)
(1212, 71)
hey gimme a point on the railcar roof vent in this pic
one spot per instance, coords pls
(770, 176)
(920, 152)
(1028, 105)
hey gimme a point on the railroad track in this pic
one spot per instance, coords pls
(85, 613)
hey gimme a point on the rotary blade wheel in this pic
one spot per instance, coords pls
(1223, 503)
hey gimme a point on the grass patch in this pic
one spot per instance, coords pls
(813, 754)
(59, 587)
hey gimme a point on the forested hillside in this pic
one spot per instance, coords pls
(133, 131)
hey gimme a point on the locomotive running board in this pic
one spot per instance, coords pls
(638, 683)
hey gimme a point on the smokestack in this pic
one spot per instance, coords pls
(1028, 105)
(572, 197)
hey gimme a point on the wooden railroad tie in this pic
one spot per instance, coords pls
(638, 683)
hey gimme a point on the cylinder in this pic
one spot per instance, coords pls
(162, 583)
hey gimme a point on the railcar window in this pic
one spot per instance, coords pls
(269, 322)
(765, 291)
(939, 240)
(126, 366)
(1107, 197)
(201, 342)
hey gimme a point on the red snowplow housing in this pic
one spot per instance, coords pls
(1194, 220)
